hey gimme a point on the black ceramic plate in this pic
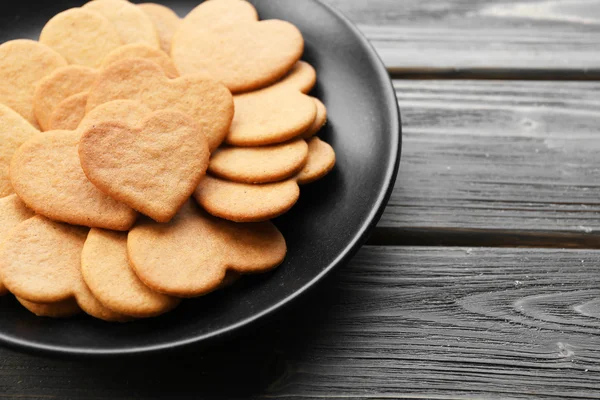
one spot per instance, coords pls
(328, 225)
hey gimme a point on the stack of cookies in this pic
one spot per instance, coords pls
(142, 156)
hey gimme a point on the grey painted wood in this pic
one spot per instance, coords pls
(482, 38)
(504, 163)
(504, 157)
(412, 322)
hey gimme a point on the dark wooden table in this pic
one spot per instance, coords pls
(483, 278)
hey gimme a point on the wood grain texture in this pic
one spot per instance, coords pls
(482, 38)
(510, 158)
(411, 323)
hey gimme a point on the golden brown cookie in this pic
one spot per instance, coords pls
(259, 164)
(190, 255)
(319, 121)
(154, 167)
(142, 50)
(242, 202)
(131, 23)
(40, 262)
(321, 160)
(69, 113)
(12, 212)
(270, 116)
(220, 15)
(106, 271)
(91, 306)
(46, 174)
(82, 37)
(14, 131)
(61, 309)
(208, 102)
(165, 21)
(24, 63)
(57, 86)
(235, 49)
(126, 111)
(302, 77)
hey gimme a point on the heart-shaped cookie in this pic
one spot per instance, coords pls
(244, 56)
(259, 164)
(190, 256)
(59, 85)
(107, 273)
(130, 22)
(46, 174)
(40, 262)
(82, 37)
(23, 64)
(154, 167)
(269, 116)
(208, 102)
(242, 202)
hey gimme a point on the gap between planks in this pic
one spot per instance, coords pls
(533, 74)
(456, 237)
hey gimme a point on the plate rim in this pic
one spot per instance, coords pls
(351, 248)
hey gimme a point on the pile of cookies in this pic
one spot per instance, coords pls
(142, 156)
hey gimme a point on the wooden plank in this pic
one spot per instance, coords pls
(412, 323)
(537, 39)
(507, 158)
